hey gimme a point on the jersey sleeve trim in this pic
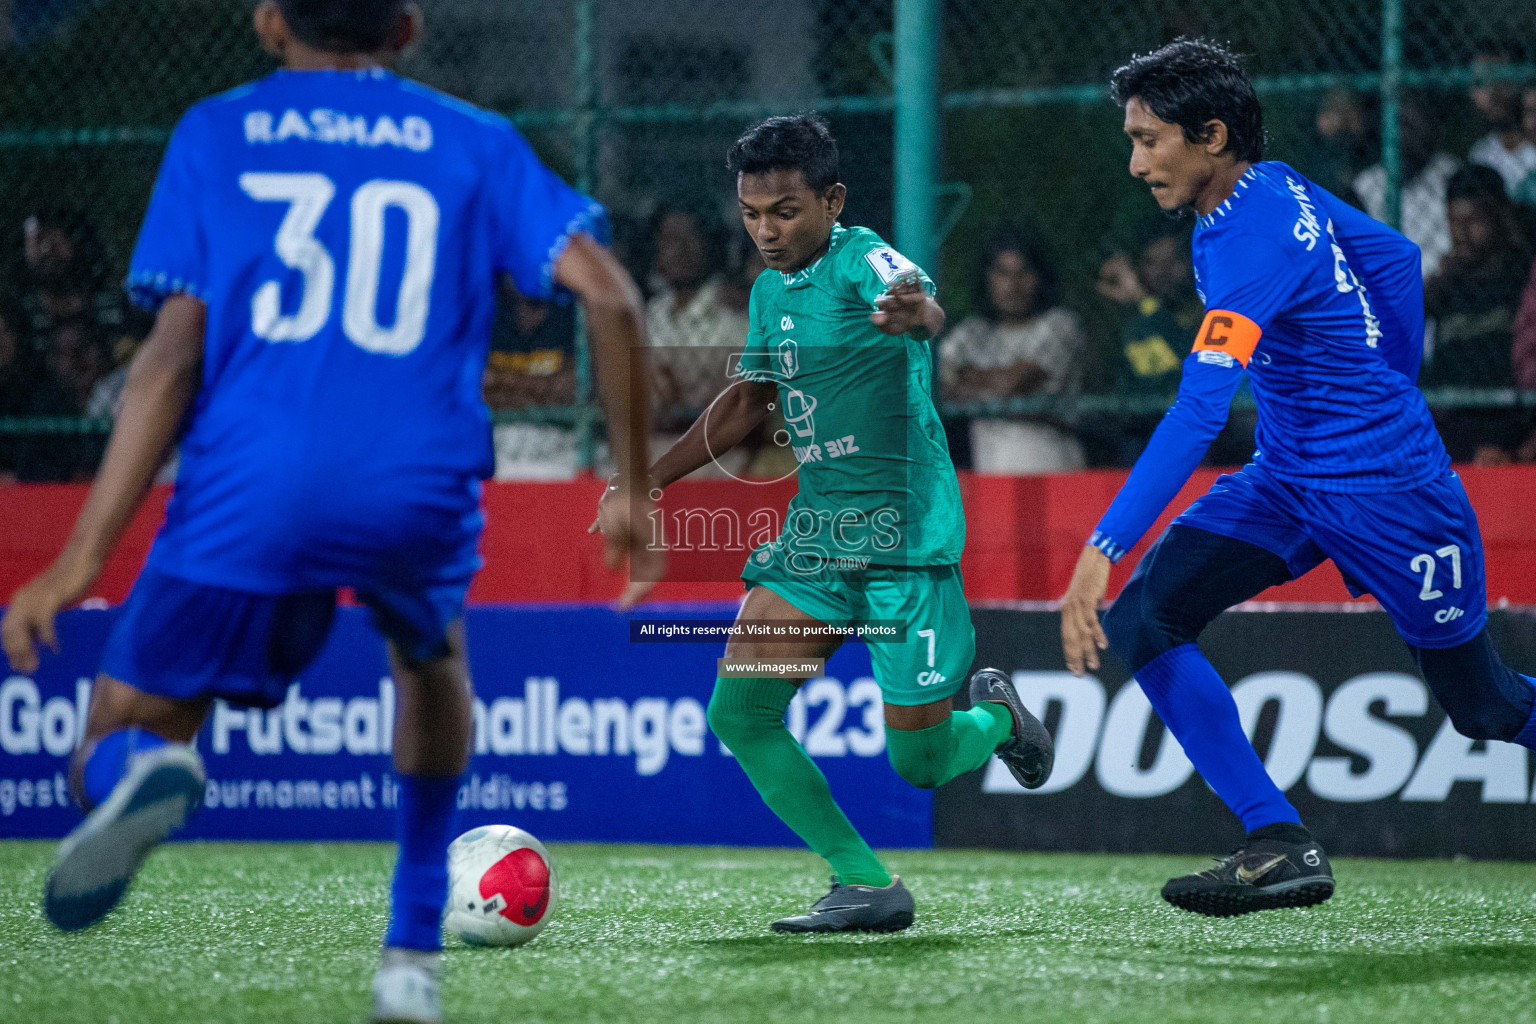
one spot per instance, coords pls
(1229, 334)
(1105, 543)
(148, 289)
(591, 221)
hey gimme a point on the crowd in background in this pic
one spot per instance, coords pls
(67, 333)
(1010, 373)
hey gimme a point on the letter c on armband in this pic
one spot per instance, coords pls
(1229, 333)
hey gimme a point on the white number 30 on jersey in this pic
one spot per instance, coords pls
(307, 196)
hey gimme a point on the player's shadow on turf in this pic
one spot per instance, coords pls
(1332, 971)
(778, 948)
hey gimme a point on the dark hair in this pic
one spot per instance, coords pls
(341, 26)
(1479, 184)
(1484, 187)
(1029, 245)
(798, 142)
(1191, 82)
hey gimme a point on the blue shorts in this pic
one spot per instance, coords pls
(1417, 552)
(187, 641)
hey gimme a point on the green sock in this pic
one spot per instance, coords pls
(748, 716)
(963, 742)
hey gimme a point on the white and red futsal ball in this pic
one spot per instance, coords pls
(501, 887)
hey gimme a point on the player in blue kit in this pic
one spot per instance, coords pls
(323, 247)
(1324, 309)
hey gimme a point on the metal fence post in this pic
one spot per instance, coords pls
(917, 129)
(1391, 103)
(584, 141)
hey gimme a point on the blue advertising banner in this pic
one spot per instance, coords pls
(580, 735)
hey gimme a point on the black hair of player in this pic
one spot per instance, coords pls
(795, 142)
(342, 26)
(1030, 246)
(1190, 83)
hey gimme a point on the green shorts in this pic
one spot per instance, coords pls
(929, 659)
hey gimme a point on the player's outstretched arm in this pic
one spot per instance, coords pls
(616, 323)
(162, 382)
(721, 427)
(1082, 636)
(729, 419)
(1177, 446)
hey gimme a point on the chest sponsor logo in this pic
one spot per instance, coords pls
(789, 358)
(799, 410)
(835, 448)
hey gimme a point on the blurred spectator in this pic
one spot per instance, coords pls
(1022, 343)
(532, 366)
(1347, 143)
(28, 389)
(694, 323)
(1473, 299)
(76, 359)
(691, 310)
(1425, 171)
(63, 315)
(65, 279)
(1523, 355)
(1505, 148)
(743, 264)
(14, 393)
(1525, 191)
(1161, 317)
(107, 396)
(1164, 312)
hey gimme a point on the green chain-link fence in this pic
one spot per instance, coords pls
(1384, 101)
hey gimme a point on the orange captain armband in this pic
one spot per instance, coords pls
(1228, 333)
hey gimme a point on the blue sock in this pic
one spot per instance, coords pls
(423, 828)
(109, 761)
(1198, 709)
(1526, 737)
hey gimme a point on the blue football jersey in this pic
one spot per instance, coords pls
(1338, 300)
(1324, 309)
(347, 231)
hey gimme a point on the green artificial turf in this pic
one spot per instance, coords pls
(275, 933)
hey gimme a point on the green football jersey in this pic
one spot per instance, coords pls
(877, 486)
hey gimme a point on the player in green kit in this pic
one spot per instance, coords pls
(838, 337)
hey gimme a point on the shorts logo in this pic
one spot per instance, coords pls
(1445, 615)
(786, 324)
(931, 677)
